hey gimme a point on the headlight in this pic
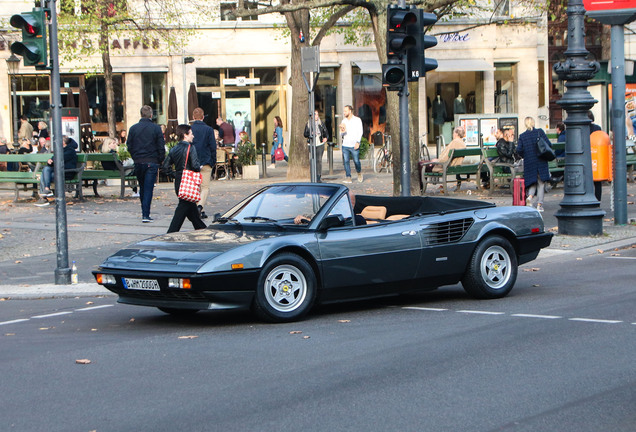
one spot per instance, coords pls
(179, 283)
(106, 279)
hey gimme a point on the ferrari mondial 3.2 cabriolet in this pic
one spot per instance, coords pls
(290, 246)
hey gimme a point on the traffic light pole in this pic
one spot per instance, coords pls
(405, 153)
(62, 271)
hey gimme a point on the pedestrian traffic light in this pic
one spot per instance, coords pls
(393, 76)
(33, 47)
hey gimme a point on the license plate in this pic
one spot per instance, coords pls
(141, 284)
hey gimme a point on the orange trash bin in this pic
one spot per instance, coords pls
(601, 150)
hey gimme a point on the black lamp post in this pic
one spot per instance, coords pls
(12, 65)
(580, 212)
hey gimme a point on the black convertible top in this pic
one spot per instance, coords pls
(418, 205)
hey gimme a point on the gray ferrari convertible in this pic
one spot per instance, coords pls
(289, 246)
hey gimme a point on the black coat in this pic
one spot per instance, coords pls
(533, 167)
(323, 132)
(146, 143)
(177, 157)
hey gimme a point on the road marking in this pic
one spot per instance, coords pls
(94, 307)
(536, 316)
(14, 321)
(481, 312)
(620, 257)
(52, 315)
(425, 309)
(596, 320)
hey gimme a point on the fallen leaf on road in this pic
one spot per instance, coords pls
(9, 334)
(536, 285)
(615, 254)
(93, 329)
(630, 202)
(82, 361)
(579, 259)
(132, 320)
(600, 251)
(305, 337)
(533, 269)
(295, 332)
(44, 328)
(3, 299)
(89, 302)
(18, 262)
(188, 337)
(344, 321)
(566, 245)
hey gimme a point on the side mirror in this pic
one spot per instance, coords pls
(331, 221)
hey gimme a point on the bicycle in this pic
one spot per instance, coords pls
(384, 159)
(424, 153)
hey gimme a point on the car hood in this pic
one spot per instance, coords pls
(187, 250)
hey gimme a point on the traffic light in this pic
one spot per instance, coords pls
(425, 64)
(398, 43)
(33, 47)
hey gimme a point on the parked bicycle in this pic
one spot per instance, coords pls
(384, 158)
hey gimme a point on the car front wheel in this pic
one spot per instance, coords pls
(286, 289)
(492, 270)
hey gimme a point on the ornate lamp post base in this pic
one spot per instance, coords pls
(580, 212)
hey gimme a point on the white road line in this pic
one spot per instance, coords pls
(620, 257)
(425, 309)
(14, 321)
(94, 307)
(481, 312)
(536, 316)
(52, 315)
(596, 320)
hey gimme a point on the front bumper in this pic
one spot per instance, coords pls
(229, 290)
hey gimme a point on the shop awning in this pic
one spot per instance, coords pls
(464, 66)
(368, 67)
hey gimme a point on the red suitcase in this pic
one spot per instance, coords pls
(518, 192)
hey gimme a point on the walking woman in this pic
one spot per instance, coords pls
(535, 170)
(177, 157)
(278, 140)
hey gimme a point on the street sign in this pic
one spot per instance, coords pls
(611, 12)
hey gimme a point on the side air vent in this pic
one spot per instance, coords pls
(447, 232)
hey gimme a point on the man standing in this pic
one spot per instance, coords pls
(351, 132)
(147, 149)
(226, 132)
(205, 144)
(26, 130)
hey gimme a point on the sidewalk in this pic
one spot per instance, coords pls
(99, 227)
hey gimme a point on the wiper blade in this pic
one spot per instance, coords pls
(260, 218)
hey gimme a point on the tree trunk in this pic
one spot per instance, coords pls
(298, 154)
(108, 78)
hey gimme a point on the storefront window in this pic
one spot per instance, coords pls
(369, 102)
(96, 92)
(238, 72)
(505, 88)
(268, 76)
(154, 95)
(208, 77)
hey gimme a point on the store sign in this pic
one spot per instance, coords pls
(127, 43)
(241, 81)
(454, 37)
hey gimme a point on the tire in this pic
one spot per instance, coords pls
(178, 312)
(492, 270)
(379, 162)
(286, 289)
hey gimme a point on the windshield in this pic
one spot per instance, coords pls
(282, 204)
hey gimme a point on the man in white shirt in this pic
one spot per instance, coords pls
(351, 132)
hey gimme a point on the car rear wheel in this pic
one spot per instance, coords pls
(286, 289)
(492, 270)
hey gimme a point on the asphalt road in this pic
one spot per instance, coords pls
(556, 355)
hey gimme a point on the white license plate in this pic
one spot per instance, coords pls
(141, 284)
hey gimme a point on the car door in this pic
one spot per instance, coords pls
(365, 261)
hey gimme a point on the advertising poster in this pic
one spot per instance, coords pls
(70, 124)
(238, 114)
(488, 128)
(471, 126)
(630, 108)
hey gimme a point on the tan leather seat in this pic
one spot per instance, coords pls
(373, 212)
(397, 217)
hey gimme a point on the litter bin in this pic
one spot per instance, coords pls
(601, 150)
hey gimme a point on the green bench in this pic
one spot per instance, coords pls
(18, 178)
(93, 176)
(497, 170)
(467, 168)
(557, 166)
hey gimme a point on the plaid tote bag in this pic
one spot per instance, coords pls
(190, 187)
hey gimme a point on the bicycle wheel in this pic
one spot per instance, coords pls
(379, 162)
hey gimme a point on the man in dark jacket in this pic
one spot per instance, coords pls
(147, 149)
(205, 144)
